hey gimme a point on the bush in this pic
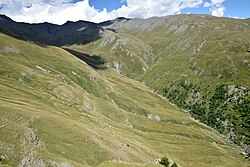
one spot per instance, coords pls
(164, 161)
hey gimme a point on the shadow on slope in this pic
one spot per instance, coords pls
(94, 61)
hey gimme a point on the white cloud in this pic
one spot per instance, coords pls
(218, 11)
(60, 11)
(217, 1)
(216, 7)
(207, 4)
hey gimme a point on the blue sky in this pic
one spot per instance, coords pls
(237, 8)
(60, 11)
(108, 4)
(233, 8)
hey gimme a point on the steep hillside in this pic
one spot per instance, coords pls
(58, 111)
(199, 62)
(124, 53)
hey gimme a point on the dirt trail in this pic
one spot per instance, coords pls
(198, 49)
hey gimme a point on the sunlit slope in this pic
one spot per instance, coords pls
(124, 53)
(206, 71)
(56, 110)
(200, 63)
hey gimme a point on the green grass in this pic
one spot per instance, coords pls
(210, 52)
(63, 116)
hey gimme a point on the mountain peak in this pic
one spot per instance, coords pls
(121, 18)
(4, 17)
(109, 22)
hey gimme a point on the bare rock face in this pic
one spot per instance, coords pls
(10, 49)
(181, 29)
(117, 67)
(154, 117)
(30, 145)
(2, 158)
(246, 151)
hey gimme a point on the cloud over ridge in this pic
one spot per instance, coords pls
(60, 11)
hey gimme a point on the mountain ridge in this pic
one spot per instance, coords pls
(186, 58)
(52, 34)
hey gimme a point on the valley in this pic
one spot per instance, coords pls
(115, 95)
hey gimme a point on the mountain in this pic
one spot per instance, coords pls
(80, 32)
(198, 62)
(69, 105)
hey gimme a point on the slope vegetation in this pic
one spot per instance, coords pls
(198, 62)
(56, 110)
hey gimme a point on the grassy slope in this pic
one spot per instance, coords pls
(56, 110)
(131, 53)
(202, 50)
(222, 58)
(167, 50)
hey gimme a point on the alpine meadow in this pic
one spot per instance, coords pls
(129, 92)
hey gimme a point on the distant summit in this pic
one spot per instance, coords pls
(52, 34)
(4, 17)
